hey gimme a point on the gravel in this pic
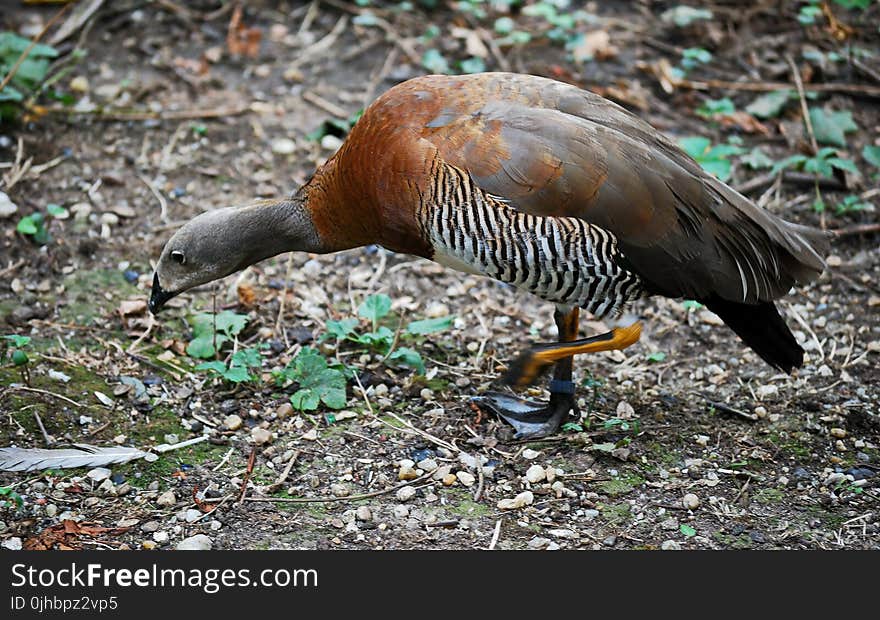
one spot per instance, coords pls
(199, 542)
(166, 499)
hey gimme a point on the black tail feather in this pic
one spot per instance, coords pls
(761, 327)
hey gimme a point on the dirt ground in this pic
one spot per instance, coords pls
(687, 440)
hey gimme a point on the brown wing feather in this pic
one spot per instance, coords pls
(553, 149)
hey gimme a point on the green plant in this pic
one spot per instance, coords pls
(380, 338)
(34, 225)
(713, 159)
(335, 127)
(872, 155)
(239, 367)
(687, 530)
(12, 495)
(683, 15)
(711, 107)
(657, 356)
(29, 74)
(769, 105)
(830, 127)
(809, 12)
(212, 331)
(318, 382)
(851, 204)
(15, 346)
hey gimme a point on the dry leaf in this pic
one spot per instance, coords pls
(241, 40)
(132, 306)
(743, 120)
(595, 45)
(246, 295)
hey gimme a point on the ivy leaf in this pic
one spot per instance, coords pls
(215, 366)
(409, 357)
(687, 530)
(56, 210)
(375, 307)
(231, 323)
(658, 356)
(711, 107)
(305, 399)
(340, 329)
(18, 341)
(429, 326)
(872, 155)
(382, 336)
(756, 158)
(830, 127)
(236, 374)
(203, 346)
(247, 358)
(770, 104)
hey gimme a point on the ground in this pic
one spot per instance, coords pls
(686, 440)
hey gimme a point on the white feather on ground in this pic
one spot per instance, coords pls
(81, 455)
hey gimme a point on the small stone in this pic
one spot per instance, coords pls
(99, 474)
(833, 261)
(435, 310)
(171, 438)
(670, 545)
(192, 515)
(441, 472)
(161, 537)
(401, 512)
(330, 142)
(690, 501)
(467, 479)
(530, 455)
(215, 525)
(199, 542)
(284, 410)
(838, 433)
(539, 542)
(166, 499)
(261, 436)
(535, 474)
(232, 422)
(669, 524)
(839, 446)
(761, 412)
(427, 464)
(106, 487)
(51, 510)
(149, 527)
(764, 391)
(79, 84)
(702, 440)
(149, 545)
(407, 473)
(7, 207)
(364, 513)
(405, 494)
(449, 480)
(523, 499)
(13, 544)
(610, 541)
(283, 146)
(339, 489)
(311, 435)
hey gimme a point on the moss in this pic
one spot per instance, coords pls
(84, 302)
(465, 506)
(768, 496)
(617, 514)
(733, 542)
(620, 486)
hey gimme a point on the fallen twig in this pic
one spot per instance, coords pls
(796, 74)
(23, 388)
(252, 459)
(46, 436)
(726, 408)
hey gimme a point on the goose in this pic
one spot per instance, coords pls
(541, 185)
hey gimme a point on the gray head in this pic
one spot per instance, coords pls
(218, 243)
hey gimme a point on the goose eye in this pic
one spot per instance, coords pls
(178, 257)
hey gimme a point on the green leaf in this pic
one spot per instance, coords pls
(409, 357)
(215, 366)
(795, 161)
(830, 127)
(10, 94)
(236, 374)
(872, 155)
(690, 304)
(695, 146)
(769, 105)
(853, 4)
(19, 357)
(18, 341)
(572, 427)
(10, 492)
(27, 225)
(305, 399)
(721, 168)
(56, 210)
(657, 356)
(429, 326)
(687, 530)
(247, 358)
(203, 346)
(12, 46)
(375, 307)
(504, 25)
(231, 323)
(341, 329)
(756, 158)
(433, 61)
(843, 164)
(334, 397)
(711, 107)
(472, 65)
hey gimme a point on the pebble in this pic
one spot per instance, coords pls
(467, 479)
(160, 537)
(364, 513)
(610, 541)
(232, 422)
(405, 494)
(106, 487)
(284, 410)
(283, 146)
(192, 515)
(449, 480)
(530, 455)
(51, 510)
(339, 489)
(669, 524)
(838, 433)
(401, 512)
(539, 542)
(7, 207)
(13, 544)
(670, 545)
(535, 474)
(427, 464)
(523, 499)
(149, 545)
(261, 435)
(199, 542)
(166, 499)
(441, 471)
(690, 501)
(764, 391)
(590, 514)
(407, 472)
(149, 527)
(833, 479)
(330, 142)
(216, 525)
(99, 474)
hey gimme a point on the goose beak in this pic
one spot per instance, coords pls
(158, 297)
